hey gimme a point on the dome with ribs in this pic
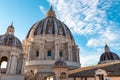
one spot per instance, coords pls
(50, 25)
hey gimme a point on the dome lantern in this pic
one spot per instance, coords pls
(10, 29)
(107, 48)
(51, 13)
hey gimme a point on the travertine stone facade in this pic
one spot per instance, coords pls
(47, 41)
(49, 52)
(11, 52)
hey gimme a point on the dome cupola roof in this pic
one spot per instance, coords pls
(108, 56)
(50, 25)
(8, 39)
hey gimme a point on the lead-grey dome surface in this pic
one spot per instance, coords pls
(10, 40)
(50, 25)
(109, 56)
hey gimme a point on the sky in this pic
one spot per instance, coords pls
(92, 22)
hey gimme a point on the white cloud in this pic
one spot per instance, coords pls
(89, 60)
(88, 18)
(94, 42)
(82, 16)
(92, 56)
(42, 9)
(108, 36)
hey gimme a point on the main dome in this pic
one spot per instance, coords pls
(50, 40)
(50, 25)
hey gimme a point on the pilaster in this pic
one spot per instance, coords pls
(56, 50)
(77, 55)
(41, 50)
(9, 64)
(12, 65)
(23, 64)
(29, 51)
(69, 52)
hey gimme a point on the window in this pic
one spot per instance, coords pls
(37, 53)
(49, 53)
(61, 54)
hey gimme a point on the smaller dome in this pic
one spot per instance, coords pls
(108, 56)
(60, 63)
(10, 40)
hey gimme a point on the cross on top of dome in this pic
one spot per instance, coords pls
(51, 8)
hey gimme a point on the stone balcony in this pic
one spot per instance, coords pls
(3, 70)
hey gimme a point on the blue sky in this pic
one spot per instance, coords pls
(92, 22)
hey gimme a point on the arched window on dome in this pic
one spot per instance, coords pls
(3, 64)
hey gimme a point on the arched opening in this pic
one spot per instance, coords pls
(63, 75)
(3, 64)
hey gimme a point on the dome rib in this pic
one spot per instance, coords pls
(44, 25)
(30, 30)
(55, 24)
